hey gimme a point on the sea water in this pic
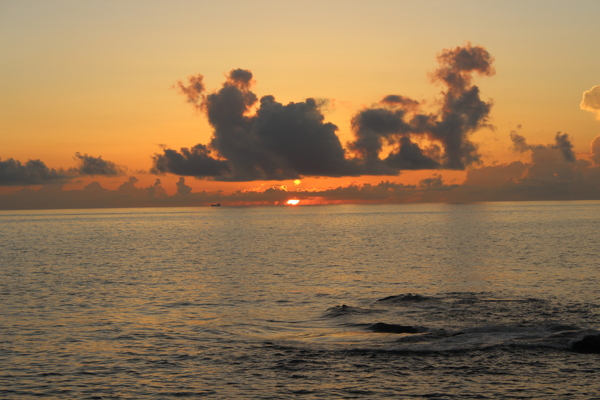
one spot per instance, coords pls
(486, 301)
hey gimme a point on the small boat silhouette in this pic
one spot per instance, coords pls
(216, 205)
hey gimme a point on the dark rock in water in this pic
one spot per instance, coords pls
(589, 344)
(392, 328)
(404, 297)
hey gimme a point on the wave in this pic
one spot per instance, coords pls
(344, 310)
(453, 322)
(403, 298)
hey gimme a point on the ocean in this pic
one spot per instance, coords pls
(437, 301)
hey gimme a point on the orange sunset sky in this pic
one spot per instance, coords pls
(407, 101)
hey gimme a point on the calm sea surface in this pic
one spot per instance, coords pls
(484, 301)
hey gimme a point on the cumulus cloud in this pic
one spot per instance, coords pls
(196, 161)
(266, 140)
(548, 162)
(156, 190)
(93, 166)
(33, 172)
(591, 101)
(256, 140)
(182, 188)
(398, 120)
(562, 144)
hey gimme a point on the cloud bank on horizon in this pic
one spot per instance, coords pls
(266, 140)
(35, 172)
(553, 173)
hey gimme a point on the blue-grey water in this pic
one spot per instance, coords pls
(282, 302)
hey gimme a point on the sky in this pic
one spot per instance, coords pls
(156, 103)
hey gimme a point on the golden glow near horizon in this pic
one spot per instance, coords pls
(292, 202)
(100, 79)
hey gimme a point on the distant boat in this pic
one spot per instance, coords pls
(216, 205)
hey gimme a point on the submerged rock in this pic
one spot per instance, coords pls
(589, 344)
(392, 328)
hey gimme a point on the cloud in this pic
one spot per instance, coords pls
(266, 140)
(398, 119)
(553, 173)
(562, 144)
(156, 190)
(257, 140)
(33, 172)
(519, 142)
(196, 161)
(182, 188)
(410, 156)
(548, 162)
(436, 181)
(496, 175)
(193, 91)
(595, 150)
(591, 101)
(548, 175)
(93, 166)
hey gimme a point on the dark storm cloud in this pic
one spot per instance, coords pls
(266, 140)
(93, 166)
(33, 172)
(398, 119)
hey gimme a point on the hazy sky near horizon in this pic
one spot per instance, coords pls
(98, 78)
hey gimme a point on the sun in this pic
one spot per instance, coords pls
(292, 202)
